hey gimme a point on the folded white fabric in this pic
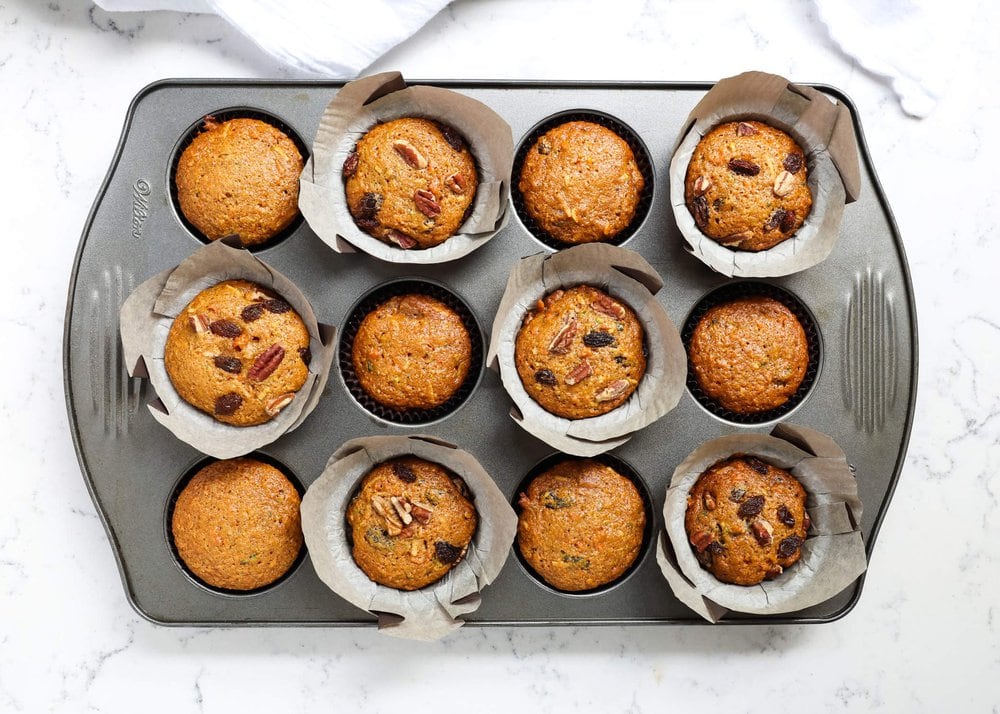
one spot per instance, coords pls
(901, 41)
(329, 38)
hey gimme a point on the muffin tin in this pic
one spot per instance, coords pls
(860, 296)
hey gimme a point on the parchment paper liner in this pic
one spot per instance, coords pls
(833, 555)
(625, 275)
(825, 132)
(357, 107)
(145, 320)
(431, 612)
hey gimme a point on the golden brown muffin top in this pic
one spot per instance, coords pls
(410, 182)
(746, 520)
(750, 355)
(581, 524)
(412, 352)
(236, 524)
(239, 176)
(411, 522)
(580, 352)
(580, 182)
(746, 186)
(238, 352)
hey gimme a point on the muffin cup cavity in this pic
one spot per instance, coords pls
(623, 468)
(370, 301)
(179, 486)
(361, 104)
(432, 611)
(833, 554)
(642, 159)
(819, 126)
(145, 320)
(745, 289)
(220, 116)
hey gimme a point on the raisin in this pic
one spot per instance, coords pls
(446, 552)
(577, 560)
(785, 516)
(228, 403)
(226, 328)
(545, 376)
(367, 224)
(743, 167)
(370, 204)
(717, 204)
(787, 547)
(788, 221)
(699, 210)
(715, 548)
(351, 164)
(252, 312)
(737, 494)
(404, 473)
(793, 162)
(751, 507)
(620, 359)
(453, 138)
(306, 354)
(775, 220)
(553, 501)
(277, 306)
(228, 364)
(598, 338)
(756, 464)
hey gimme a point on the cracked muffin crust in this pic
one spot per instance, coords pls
(410, 182)
(236, 524)
(238, 352)
(411, 522)
(412, 352)
(239, 176)
(581, 524)
(580, 182)
(580, 353)
(750, 354)
(746, 186)
(746, 520)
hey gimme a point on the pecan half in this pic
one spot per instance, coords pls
(701, 185)
(700, 540)
(265, 364)
(699, 210)
(734, 239)
(456, 183)
(613, 391)
(400, 505)
(410, 154)
(401, 239)
(709, 501)
(783, 184)
(421, 512)
(751, 507)
(806, 520)
(578, 373)
(228, 364)
(564, 337)
(225, 328)
(793, 163)
(744, 129)
(228, 404)
(426, 203)
(278, 403)
(609, 307)
(762, 531)
(199, 323)
(350, 164)
(743, 167)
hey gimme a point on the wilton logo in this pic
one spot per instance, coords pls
(140, 206)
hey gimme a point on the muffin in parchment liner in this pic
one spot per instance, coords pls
(145, 321)
(433, 611)
(362, 104)
(833, 554)
(625, 276)
(825, 132)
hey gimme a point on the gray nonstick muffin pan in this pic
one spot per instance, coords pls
(862, 393)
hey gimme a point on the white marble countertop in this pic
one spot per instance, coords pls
(925, 635)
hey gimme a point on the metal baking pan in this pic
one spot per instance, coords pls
(863, 395)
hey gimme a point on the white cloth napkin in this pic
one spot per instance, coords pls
(330, 38)
(903, 41)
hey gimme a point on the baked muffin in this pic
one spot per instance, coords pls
(750, 354)
(410, 182)
(580, 182)
(236, 524)
(746, 520)
(410, 522)
(239, 176)
(238, 352)
(580, 352)
(412, 352)
(581, 524)
(746, 186)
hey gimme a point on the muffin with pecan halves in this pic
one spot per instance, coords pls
(238, 352)
(580, 353)
(410, 182)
